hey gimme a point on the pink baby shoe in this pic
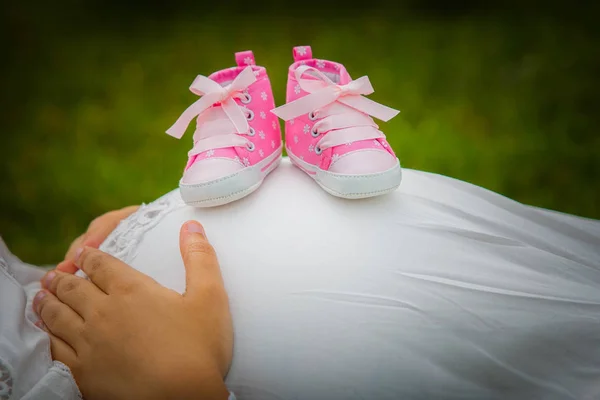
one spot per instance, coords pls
(237, 141)
(329, 132)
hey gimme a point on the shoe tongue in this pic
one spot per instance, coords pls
(225, 76)
(344, 76)
(212, 122)
(212, 114)
(334, 71)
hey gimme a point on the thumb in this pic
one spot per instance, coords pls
(201, 265)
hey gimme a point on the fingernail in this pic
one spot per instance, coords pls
(40, 324)
(78, 253)
(48, 279)
(194, 227)
(91, 242)
(61, 265)
(38, 297)
(66, 266)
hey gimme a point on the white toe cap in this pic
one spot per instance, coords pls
(362, 162)
(210, 169)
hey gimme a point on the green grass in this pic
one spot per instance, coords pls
(506, 105)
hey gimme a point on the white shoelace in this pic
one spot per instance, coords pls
(341, 112)
(221, 120)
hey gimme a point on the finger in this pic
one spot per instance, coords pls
(59, 318)
(77, 243)
(99, 229)
(67, 266)
(102, 226)
(200, 260)
(108, 273)
(127, 211)
(60, 350)
(78, 293)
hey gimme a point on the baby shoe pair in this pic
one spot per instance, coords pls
(329, 132)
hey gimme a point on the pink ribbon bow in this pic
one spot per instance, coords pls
(323, 91)
(212, 93)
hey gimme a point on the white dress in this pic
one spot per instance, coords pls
(442, 290)
(26, 368)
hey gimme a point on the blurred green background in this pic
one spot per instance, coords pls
(503, 97)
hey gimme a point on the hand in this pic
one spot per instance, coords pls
(125, 336)
(97, 231)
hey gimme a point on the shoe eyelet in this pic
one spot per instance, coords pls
(251, 132)
(246, 99)
(314, 133)
(312, 116)
(250, 146)
(318, 150)
(250, 115)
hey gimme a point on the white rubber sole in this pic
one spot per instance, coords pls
(229, 188)
(352, 186)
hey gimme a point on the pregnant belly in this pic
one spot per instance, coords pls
(407, 296)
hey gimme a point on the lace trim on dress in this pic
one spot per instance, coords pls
(67, 371)
(5, 255)
(4, 266)
(6, 380)
(123, 242)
